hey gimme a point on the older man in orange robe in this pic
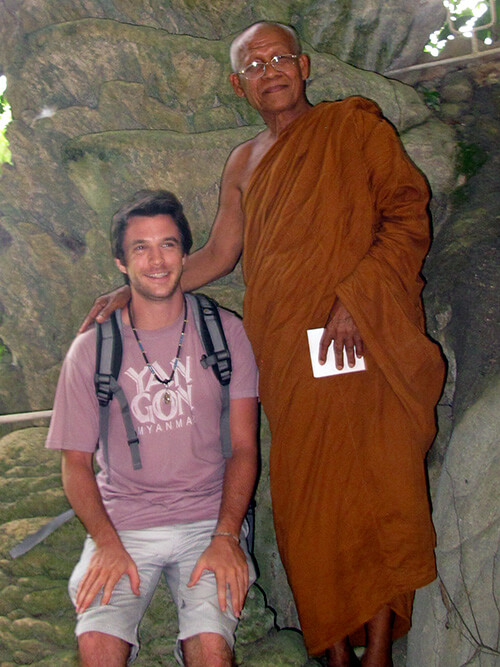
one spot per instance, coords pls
(347, 476)
(331, 217)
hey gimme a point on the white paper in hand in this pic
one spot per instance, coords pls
(329, 368)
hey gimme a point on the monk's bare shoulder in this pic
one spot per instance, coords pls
(244, 158)
(225, 243)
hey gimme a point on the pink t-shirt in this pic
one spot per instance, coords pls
(182, 463)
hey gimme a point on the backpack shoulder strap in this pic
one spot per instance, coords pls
(217, 355)
(38, 536)
(108, 357)
(109, 352)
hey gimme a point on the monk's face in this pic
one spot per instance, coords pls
(276, 91)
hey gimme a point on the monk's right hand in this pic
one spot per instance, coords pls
(104, 305)
(342, 330)
(107, 565)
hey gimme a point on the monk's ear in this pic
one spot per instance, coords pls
(304, 66)
(237, 87)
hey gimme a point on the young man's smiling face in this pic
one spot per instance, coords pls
(276, 90)
(153, 256)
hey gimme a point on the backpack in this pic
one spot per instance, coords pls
(109, 352)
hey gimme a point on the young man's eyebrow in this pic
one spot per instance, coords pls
(166, 238)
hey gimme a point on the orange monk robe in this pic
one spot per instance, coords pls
(335, 208)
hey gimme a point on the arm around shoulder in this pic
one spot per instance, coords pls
(104, 305)
(221, 253)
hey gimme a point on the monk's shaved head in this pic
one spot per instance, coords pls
(239, 42)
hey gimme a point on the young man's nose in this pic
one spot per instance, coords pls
(156, 256)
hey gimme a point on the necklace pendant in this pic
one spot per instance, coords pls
(166, 397)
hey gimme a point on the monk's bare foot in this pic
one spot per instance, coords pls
(341, 654)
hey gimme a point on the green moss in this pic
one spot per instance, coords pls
(10, 598)
(470, 158)
(15, 488)
(72, 154)
(40, 603)
(61, 658)
(285, 647)
(432, 98)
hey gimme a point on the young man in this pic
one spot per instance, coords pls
(182, 512)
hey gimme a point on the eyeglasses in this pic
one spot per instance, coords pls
(256, 69)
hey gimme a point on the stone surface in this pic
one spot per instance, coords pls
(458, 616)
(456, 87)
(371, 34)
(456, 619)
(368, 34)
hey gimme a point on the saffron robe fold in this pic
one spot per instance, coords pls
(336, 208)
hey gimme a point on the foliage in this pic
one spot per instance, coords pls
(5, 155)
(5, 118)
(467, 16)
(432, 98)
(470, 158)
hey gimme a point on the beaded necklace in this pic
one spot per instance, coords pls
(166, 382)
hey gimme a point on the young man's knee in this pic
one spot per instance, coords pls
(207, 649)
(98, 649)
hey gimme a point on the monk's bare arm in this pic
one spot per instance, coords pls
(104, 305)
(221, 252)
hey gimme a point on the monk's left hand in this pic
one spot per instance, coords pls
(225, 558)
(342, 329)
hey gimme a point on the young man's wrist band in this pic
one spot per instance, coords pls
(218, 533)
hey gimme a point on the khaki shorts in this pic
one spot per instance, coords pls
(172, 551)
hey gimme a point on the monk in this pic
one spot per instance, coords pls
(331, 217)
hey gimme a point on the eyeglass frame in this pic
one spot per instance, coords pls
(266, 64)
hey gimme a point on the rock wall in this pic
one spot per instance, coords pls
(109, 97)
(365, 33)
(456, 619)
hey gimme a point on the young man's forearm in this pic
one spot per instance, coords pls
(81, 489)
(110, 560)
(238, 486)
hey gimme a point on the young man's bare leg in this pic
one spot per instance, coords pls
(378, 652)
(208, 649)
(98, 649)
(341, 654)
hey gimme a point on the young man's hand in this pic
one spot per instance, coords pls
(107, 565)
(225, 558)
